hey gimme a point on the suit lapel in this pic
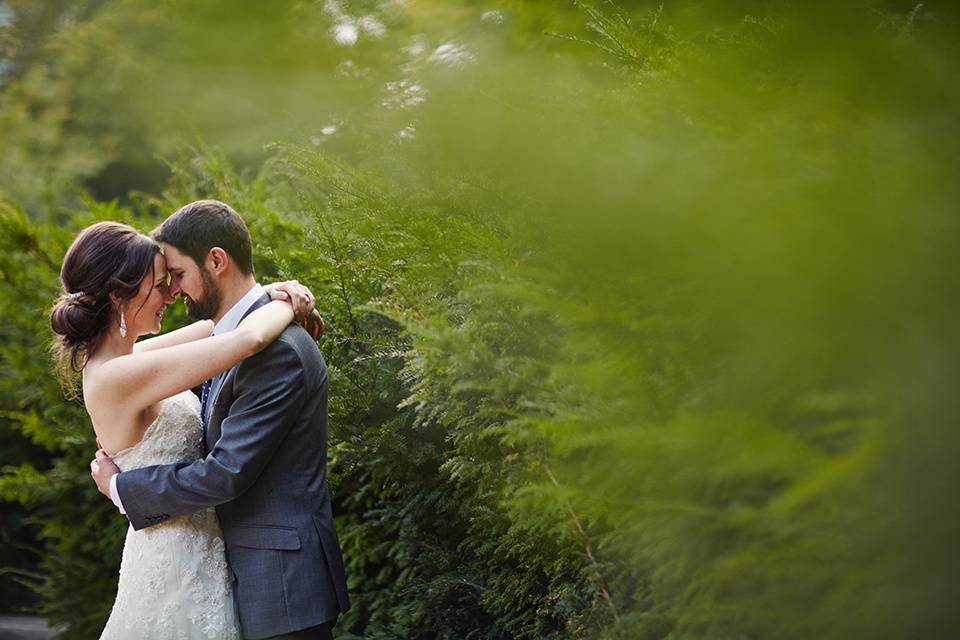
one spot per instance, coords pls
(215, 388)
(217, 385)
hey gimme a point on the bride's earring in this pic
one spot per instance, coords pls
(123, 326)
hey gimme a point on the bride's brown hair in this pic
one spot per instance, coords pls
(105, 258)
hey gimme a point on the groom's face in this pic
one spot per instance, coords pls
(194, 282)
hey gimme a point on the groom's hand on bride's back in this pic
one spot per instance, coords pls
(102, 468)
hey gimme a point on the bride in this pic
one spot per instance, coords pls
(174, 579)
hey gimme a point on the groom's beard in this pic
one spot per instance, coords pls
(206, 305)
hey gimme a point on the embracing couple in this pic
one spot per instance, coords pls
(231, 532)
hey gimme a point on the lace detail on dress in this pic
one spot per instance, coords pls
(174, 579)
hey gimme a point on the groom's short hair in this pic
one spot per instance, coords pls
(197, 227)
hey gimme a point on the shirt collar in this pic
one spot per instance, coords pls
(232, 318)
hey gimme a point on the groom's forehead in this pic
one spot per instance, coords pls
(175, 259)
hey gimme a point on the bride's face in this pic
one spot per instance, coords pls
(145, 311)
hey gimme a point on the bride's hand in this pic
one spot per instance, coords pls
(299, 297)
(313, 323)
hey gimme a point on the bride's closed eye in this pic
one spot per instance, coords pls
(161, 285)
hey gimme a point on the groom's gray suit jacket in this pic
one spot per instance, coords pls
(266, 473)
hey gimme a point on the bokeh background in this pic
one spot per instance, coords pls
(642, 316)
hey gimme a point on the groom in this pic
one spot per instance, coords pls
(265, 432)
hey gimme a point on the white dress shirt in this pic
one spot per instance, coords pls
(228, 322)
(232, 318)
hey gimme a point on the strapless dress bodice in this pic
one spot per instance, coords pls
(174, 436)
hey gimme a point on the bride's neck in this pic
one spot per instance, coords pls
(113, 345)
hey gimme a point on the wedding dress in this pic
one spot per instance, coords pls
(174, 579)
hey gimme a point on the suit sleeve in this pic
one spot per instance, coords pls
(268, 396)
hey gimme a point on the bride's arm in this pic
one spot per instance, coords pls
(289, 290)
(196, 331)
(141, 379)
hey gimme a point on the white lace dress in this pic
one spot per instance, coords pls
(174, 580)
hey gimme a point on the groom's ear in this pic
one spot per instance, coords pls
(218, 259)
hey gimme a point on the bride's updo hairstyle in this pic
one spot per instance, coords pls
(107, 257)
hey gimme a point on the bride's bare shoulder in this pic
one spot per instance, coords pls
(96, 398)
(113, 420)
(104, 378)
(95, 382)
